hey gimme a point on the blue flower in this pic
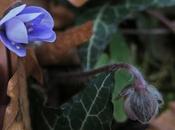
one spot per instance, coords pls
(23, 25)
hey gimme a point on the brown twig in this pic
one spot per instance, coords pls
(162, 18)
(153, 31)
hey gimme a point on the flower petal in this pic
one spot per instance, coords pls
(128, 110)
(46, 19)
(52, 38)
(156, 94)
(40, 33)
(14, 47)
(28, 17)
(16, 31)
(12, 13)
(144, 106)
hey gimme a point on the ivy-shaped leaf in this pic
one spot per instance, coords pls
(100, 37)
(89, 110)
(103, 60)
(106, 20)
(119, 52)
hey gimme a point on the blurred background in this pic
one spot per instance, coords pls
(91, 34)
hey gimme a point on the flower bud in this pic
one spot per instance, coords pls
(141, 105)
(141, 100)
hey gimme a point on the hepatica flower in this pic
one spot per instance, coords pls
(24, 25)
(141, 100)
(142, 105)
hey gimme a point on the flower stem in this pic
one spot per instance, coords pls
(139, 80)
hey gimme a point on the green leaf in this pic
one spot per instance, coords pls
(101, 34)
(122, 79)
(88, 110)
(103, 60)
(106, 21)
(149, 3)
(120, 52)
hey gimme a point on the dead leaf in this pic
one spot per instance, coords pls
(17, 112)
(5, 4)
(62, 16)
(66, 41)
(5, 65)
(166, 121)
(78, 3)
(42, 3)
(32, 66)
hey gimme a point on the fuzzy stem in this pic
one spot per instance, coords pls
(139, 81)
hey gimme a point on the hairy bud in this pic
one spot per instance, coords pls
(141, 100)
(141, 105)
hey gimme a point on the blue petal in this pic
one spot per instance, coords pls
(52, 37)
(16, 31)
(14, 47)
(12, 13)
(39, 33)
(45, 20)
(28, 17)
